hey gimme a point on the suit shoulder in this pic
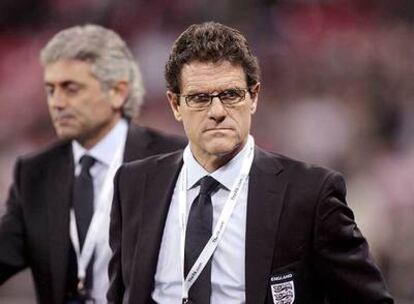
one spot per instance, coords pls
(300, 171)
(161, 141)
(149, 163)
(314, 178)
(308, 184)
(162, 136)
(307, 168)
(46, 155)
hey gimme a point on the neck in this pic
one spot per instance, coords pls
(214, 162)
(211, 162)
(90, 140)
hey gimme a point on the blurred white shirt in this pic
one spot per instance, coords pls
(104, 152)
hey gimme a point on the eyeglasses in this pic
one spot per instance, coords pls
(203, 100)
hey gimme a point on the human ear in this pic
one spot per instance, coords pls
(119, 94)
(174, 102)
(254, 94)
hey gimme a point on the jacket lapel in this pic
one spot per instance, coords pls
(155, 205)
(137, 142)
(59, 181)
(265, 201)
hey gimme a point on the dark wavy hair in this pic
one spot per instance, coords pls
(210, 42)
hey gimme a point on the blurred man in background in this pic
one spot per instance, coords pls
(234, 223)
(57, 214)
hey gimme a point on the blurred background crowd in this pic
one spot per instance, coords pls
(337, 90)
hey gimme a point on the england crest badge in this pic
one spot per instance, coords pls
(283, 289)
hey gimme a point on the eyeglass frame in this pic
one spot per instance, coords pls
(212, 96)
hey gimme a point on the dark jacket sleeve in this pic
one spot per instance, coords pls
(116, 284)
(12, 232)
(342, 257)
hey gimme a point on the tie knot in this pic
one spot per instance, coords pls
(208, 184)
(86, 162)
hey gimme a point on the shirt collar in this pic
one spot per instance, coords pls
(104, 150)
(225, 175)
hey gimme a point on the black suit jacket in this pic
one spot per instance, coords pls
(298, 226)
(34, 231)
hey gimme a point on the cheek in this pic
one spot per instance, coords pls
(50, 108)
(243, 128)
(191, 130)
(91, 107)
(191, 123)
(242, 120)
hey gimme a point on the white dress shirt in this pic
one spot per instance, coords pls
(228, 261)
(104, 153)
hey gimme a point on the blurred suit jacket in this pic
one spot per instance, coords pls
(298, 227)
(34, 231)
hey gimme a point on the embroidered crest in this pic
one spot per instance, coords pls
(283, 289)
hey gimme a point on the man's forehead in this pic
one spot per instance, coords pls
(67, 70)
(208, 76)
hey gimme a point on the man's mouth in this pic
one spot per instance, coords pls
(62, 118)
(217, 129)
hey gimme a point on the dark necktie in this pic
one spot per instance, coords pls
(198, 232)
(83, 207)
(83, 197)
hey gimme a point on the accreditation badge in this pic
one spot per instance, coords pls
(283, 289)
(80, 300)
(83, 295)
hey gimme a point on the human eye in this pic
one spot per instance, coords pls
(72, 88)
(49, 89)
(198, 99)
(230, 96)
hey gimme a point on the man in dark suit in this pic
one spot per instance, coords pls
(56, 208)
(233, 223)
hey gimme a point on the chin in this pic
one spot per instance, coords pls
(64, 133)
(223, 148)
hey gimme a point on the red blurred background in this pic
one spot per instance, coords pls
(336, 90)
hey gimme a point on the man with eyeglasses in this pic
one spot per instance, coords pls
(225, 221)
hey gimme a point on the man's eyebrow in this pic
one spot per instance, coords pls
(63, 83)
(206, 91)
(71, 82)
(196, 92)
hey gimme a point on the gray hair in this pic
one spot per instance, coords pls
(108, 54)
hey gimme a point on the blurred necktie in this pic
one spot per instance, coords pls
(83, 197)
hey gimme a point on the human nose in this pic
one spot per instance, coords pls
(56, 99)
(217, 110)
